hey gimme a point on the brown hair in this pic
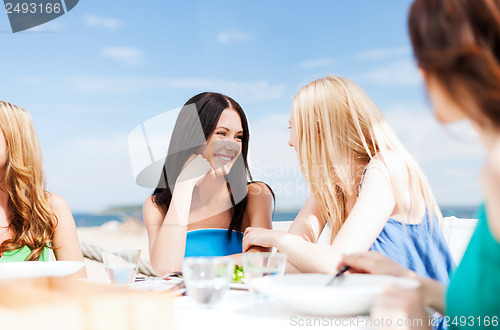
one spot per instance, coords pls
(457, 43)
(32, 221)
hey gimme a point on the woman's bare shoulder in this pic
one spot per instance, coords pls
(61, 209)
(259, 187)
(56, 202)
(259, 191)
(388, 162)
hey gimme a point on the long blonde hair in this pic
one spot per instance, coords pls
(32, 221)
(338, 125)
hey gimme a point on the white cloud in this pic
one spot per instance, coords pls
(273, 161)
(96, 173)
(229, 37)
(383, 53)
(400, 73)
(243, 91)
(93, 174)
(118, 85)
(96, 21)
(451, 164)
(127, 56)
(430, 141)
(315, 63)
(29, 80)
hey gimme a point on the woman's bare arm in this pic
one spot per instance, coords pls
(65, 243)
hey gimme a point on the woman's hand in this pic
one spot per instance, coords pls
(255, 236)
(374, 263)
(397, 304)
(194, 171)
(431, 292)
(400, 308)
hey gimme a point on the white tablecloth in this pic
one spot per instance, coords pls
(240, 311)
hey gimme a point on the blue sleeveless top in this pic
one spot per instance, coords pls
(417, 247)
(420, 248)
(212, 242)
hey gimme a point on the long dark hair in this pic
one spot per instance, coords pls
(195, 125)
(457, 42)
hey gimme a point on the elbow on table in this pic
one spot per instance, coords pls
(163, 268)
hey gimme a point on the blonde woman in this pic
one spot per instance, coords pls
(362, 182)
(32, 221)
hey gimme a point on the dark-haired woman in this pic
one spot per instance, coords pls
(205, 198)
(457, 47)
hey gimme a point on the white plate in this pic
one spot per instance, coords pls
(238, 286)
(28, 269)
(156, 284)
(307, 293)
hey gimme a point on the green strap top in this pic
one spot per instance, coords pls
(473, 297)
(22, 254)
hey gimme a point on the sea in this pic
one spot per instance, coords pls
(96, 219)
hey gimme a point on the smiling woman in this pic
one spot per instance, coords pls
(205, 197)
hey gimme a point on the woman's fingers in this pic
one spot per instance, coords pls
(360, 262)
(195, 170)
(400, 308)
(206, 168)
(373, 263)
(246, 245)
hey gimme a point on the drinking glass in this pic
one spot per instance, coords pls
(260, 264)
(207, 278)
(121, 265)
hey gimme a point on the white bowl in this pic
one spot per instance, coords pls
(307, 293)
(29, 269)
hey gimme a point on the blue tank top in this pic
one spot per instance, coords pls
(212, 242)
(419, 247)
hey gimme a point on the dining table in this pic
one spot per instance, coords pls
(241, 310)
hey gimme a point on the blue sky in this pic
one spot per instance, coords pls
(89, 77)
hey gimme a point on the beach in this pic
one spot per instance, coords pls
(113, 235)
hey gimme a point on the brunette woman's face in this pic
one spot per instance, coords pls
(225, 144)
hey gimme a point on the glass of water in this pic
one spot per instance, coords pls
(121, 265)
(260, 264)
(207, 278)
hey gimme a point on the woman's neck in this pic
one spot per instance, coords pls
(489, 137)
(211, 190)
